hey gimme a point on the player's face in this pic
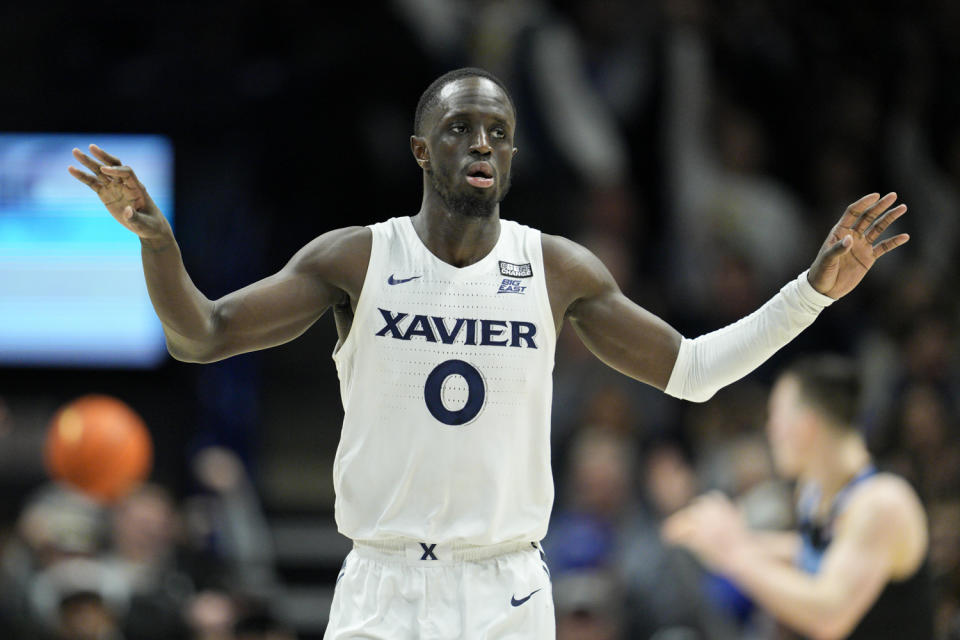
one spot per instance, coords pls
(471, 146)
(787, 427)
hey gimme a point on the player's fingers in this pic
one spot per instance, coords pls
(105, 157)
(890, 244)
(87, 161)
(117, 171)
(123, 174)
(856, 209)
(86, 179)
(874, 212)
(838, 248)
(884, 221)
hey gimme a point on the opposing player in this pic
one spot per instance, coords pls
(856, 567)
(447, 323)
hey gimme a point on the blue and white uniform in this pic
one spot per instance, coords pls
(443, 475)
(904, 609)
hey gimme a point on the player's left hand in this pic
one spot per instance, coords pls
(711, 527)
(852, 248)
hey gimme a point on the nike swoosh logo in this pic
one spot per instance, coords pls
(517, 603)
(392, 280)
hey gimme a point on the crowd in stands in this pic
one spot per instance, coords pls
(702, 149)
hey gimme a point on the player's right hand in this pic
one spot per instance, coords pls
(121, 192)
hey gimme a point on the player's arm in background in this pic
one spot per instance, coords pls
(782, 546)
(326, 272)
(881, 537)
(641, 345)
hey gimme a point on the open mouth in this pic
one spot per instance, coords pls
(480, 174)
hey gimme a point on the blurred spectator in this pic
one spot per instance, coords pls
(929, 186)
(85, 616)
(533, 49)
(145, 532)
(55, 525)
(59, 523)
(79, 599)
(588, 605)
(928, 452)
(583, 533)
(226, 522)
(617, 38)
(945, 562)
(736, 233)
(669, 480)
(572, 149)
(211, 616)
(662, 584)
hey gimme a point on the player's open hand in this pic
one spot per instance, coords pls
(852, 246)
(121, 192)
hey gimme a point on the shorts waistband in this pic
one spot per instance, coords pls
(429, 551)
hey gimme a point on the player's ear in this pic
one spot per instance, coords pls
(418, 145)
(514, 152)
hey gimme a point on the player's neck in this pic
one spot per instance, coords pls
(457, 239)
(839, 460)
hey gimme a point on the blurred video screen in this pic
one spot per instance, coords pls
(71, 284)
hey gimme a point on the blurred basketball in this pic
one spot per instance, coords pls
(99, 445)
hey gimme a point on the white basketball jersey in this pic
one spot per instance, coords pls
(446, 381)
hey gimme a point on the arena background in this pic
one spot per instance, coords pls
(701, 148)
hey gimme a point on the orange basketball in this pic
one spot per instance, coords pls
(100, 446)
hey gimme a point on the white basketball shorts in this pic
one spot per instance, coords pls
(424, 591)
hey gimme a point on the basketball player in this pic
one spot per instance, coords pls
(447, 323)
(856, 568)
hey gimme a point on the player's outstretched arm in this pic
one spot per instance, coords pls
(263, 314)
(622, 334)
(639, 344)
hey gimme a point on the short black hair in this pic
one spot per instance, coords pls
(830, 384)
(431, 96)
